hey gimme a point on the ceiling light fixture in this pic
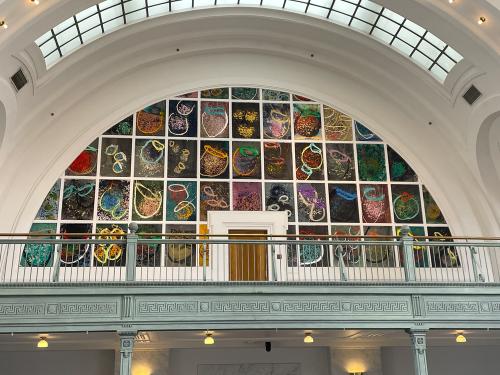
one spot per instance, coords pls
(460, 339)
(481, 20)
(308, 339)
(42, 343)
(356, 373)
(451, 1)
(209, 340)
(3, 24)
(36, 2)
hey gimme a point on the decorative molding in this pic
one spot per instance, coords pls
(416, 302)
(22, 309)
(240, 307)
(127, 308)
(166, 307)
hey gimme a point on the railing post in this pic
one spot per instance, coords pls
(409, 259)
(205, 249)
(478, 275)
(126, 350)
(343, 273)
(57, 263)
(273, 263)
(131, 252)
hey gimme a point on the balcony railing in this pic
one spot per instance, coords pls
(116, 257)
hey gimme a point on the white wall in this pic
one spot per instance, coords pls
(84, 362)
(464, 360)
(351, 360)
(314, 361)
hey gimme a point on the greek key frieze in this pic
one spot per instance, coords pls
(452, 307)
(311, 306)
(380, 306)
(240, 306)
(171, 307)
(87, 308)
(21, 309)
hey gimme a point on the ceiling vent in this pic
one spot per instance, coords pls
(472, 94)
(19, 80)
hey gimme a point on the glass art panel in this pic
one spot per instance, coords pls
(277, 158)
(433, 213)
(124, 127)
(246, 160)
(181, 201)
(383, 255)
(419, 251)
(275, 96)
(246, 120)
(406, 204)
(247, 196)
(151, 120)
(309, 161)
(78, 200)
(110, 253)
(338, 125)
(149, 157)
(214, 159)
(313, 255)
(116, 157)
(214, 119)
(340, 162)
(245, 93)
(300, 98)
(371, 162)
(217, 93)
(352, 255)
(39, 254)
(182, 158)
(311, 202)
(148, 253)
(50, 205)
(147, 200)
(364, 134)
(276, 120)
(75, 255)
(85, 164)
(343, 203)
(182, 120)
(375, 204)
(179, 254)
(189, 95)
(214, 196)
(307, 121)
(280, 197)
(399, 168)
(445, 256)
(113, 200)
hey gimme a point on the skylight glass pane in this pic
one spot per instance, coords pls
(111, 13)
(453, 54)
(317, 11)
(52, 58)
(408, 37)
(371, 5)
(401, 46)
(181, 5)
(134, 5)
(366, 15)
(446, 63)
(424, 61)
(388, 25)
(361, 26)
(435, 40)
(44, 38)
(136, 15)
(158, 9)
(428, 49)
(414, 27)
(382, 35)
(70, 45)
(64, 25)
(109, 4)
(89, 23)
(86, 13)
(67, 35)
(203, 3)
(321, 3)
(92, 34)
(113, 24)
(272, 3)
(344, 7)
(295, 6)
(393, 16)
(48, 47)
(439, 73)
(250, 2)
(340, 18)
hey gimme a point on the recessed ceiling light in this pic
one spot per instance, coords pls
(308, 339)
(36, 2)
(209, 339)
(3, 24)
(481, 20)
(42, 343)
(451, 1)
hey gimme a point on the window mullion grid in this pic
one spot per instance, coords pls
(147, 8)
(123, 12)
(307, 6)
(331, 9)
(376, 21)
(354, 13)
(57, 43)
(418, 44)
(435, 62)
(397, 32)
(100, 18)
(78, 29)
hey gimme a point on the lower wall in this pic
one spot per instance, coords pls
(344, 361)
(464, 360)
(84, 362)
(313, 361)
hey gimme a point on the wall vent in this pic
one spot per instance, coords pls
(19, 80)
(472, 94)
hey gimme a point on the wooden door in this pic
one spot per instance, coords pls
(247, 262)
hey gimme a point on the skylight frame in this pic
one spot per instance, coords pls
(364, 16)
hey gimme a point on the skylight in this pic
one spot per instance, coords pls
(364, 16)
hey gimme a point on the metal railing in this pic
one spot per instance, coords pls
(97, 258)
